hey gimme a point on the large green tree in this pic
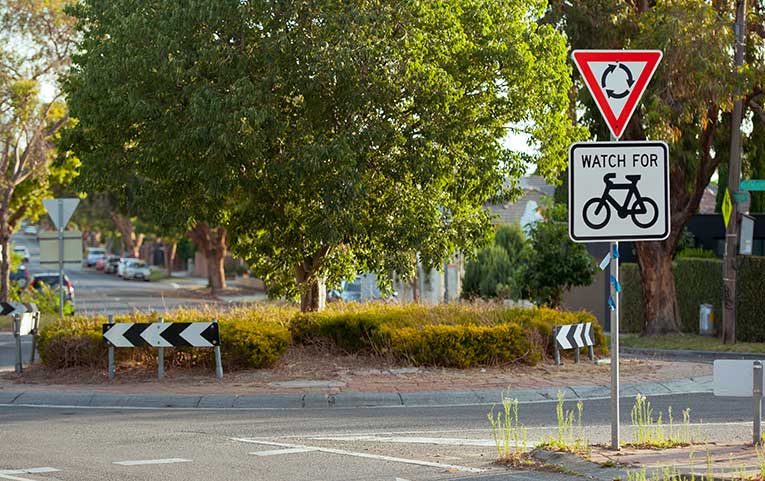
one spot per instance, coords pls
(35, 41)
(684, 104)
(328, 136)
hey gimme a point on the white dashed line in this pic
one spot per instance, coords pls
(8, 473)
(343, 452)
(275, 452)
(142, 462)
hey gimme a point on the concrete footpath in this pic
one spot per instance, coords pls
(15, 395)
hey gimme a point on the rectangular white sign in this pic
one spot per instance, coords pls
(618, 191)
(72, 249)
(733, 378)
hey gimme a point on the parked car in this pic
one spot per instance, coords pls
(22, 251)
(31, 230)
(137, 270)
(124, 263)
(51, 280)
(112, 262)
(92, 256)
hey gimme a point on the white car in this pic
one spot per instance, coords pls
(22, 251)
(93, 255)
(137, 270)
(31, 230)
(123, 264)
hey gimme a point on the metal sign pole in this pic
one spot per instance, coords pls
(615, 442)
(218, 361)
(757, 397)
(161, 358)
(17, 335)
(61, 257)
(111, 353)
(615, 412)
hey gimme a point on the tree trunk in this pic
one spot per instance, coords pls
(5, 258)
(170, 249)
(661, 314)
(130, 240)
(212, 242)
(313, 290)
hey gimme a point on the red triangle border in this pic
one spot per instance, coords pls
(582, 59)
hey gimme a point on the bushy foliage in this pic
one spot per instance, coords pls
(556, 262)
(498, 270)
(458, 335)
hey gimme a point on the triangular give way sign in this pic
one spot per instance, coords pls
(616, 79)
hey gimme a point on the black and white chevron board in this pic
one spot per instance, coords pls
(162, 335)
(26, 320)
(573, 336)
(16, 308)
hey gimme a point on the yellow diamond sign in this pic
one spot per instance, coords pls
(727, 207)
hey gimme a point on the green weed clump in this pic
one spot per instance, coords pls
(650, 431)
(570, 435)
(509, 435)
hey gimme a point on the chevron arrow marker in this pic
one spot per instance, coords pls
(193, 334)
(562, 338)
(115, 335)
(587, 332)
(578, 340)
(153, 334)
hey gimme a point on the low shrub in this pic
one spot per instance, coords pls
(254, 338)
(454, 335)
(459, 335)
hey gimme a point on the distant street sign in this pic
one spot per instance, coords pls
(67, 206)
(754, 184)
(49, 250)
(727, 208)
(618, 191)
(616, 79)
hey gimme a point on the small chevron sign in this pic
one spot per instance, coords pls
(162, 334)
(573, 336)
(16, 308)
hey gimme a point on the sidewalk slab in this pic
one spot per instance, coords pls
(7, 397)
(54, 398)
(217, 401)
(591, 391)
(270, 401)
(352, 399)
(645, 388)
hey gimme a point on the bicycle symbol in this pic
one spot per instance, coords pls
(643, 210)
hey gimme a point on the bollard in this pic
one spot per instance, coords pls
(17, 335)
(757, 400)
(111, 353)
(218, 362)
(161, 358)
(557, 348)
(34, 337)
(576, 355)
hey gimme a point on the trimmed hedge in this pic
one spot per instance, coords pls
(699, 281)
(254, 338)
(458, 335)
(455, 335)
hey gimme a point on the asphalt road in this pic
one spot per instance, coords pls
(439, 443)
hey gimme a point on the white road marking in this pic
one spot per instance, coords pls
(274, 452)
(7, 473)
(412, 440)
(343, 452)
(142, 462)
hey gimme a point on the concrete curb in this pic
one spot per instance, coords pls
(341, 400)
(677, 354)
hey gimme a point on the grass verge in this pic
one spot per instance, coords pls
(687, 342)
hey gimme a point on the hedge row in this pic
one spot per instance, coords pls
(456, 335)
(699, 281)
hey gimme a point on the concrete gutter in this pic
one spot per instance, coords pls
(94, 400)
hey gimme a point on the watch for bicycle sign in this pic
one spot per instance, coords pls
(618, 191)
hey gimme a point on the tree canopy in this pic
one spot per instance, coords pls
(329, 136)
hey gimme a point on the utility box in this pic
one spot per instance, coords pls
(707, 320)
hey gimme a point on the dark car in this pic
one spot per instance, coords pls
(21, 276)
(112, 262)
(51, 280)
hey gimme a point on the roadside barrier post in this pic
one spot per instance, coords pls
(111, 352)
(615, 435)
(35, 330)
(161, 357)
(17, 335)
(218, 362)
(757, 397)
(557, 345)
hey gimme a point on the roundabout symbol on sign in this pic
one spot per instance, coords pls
(610, 70)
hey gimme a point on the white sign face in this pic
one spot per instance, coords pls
(618, 191)
(733, 378)
(67, 206)
(72, 250)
